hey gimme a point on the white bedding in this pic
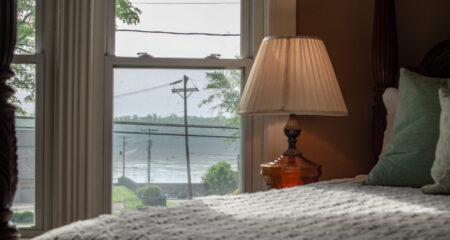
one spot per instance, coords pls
(338, 209)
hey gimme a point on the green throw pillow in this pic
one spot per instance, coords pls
(412, 143)
(441, 166)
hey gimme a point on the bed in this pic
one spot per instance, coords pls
(336, 209)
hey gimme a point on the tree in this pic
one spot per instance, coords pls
(225, 97)
(127, 13)
(24, 81)
(220, 179)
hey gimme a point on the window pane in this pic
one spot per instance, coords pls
(26, 29)
(149, 140)
(178, 28)
(24, 99)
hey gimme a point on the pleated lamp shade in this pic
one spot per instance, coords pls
(292, 75)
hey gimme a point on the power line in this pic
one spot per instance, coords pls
(180, 33)
(172, 125)
(146, 89)
(177, 134)
(187, 3)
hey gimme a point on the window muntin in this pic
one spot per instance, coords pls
(152, 100)
(172, 29)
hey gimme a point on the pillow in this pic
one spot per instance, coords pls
(441, 166)
(390, 100)
(412, 142)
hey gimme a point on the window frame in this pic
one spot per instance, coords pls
(252, 33)
(38, 60)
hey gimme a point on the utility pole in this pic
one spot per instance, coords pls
(123, 154)
(149, 151)
(185, 90)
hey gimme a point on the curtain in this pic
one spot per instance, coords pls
(8, 147)
(78, 190)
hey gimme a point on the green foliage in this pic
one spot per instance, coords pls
(26, 20)
(128, 183)
(26, 217)
(127, 13)
(220, 179)
(225, 97)
(150, 195)
(122, 194)
(25, 81)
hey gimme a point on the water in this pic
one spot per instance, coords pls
(168, 154)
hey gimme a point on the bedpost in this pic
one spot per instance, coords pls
(384, 65)
(8, 156)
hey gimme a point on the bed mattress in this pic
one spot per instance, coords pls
(337, 209)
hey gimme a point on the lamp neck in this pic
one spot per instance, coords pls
(292, 131)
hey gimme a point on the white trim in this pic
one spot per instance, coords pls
(107, 134)
(178, 62)
(39, 24)
(110, 28)
(245, 28)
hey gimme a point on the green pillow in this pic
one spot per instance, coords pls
(412, 143)
(441, 166)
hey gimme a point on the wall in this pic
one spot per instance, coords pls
(343, 144)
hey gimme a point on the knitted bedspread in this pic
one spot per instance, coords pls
(337, 209)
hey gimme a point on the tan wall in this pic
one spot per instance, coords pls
(343, 144)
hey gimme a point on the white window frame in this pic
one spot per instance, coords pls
(38, 60)
(252, 33)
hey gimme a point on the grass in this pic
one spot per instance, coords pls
(121, 194)
(169, 203)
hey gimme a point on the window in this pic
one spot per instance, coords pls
(28, 66)
(175, 71)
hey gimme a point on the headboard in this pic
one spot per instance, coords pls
(436, 63)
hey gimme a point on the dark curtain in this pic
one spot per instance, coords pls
(8, 156)
(384, 65)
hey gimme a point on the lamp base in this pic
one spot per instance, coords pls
(291, 168)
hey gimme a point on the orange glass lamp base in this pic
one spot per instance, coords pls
(291, 168)
(290, 171)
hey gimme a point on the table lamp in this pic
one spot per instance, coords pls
(292, 76)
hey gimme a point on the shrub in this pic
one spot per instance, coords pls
(220, 179)
(150, 195)
(26, 217)
(128, 183)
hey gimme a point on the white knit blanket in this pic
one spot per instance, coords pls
(338, 209)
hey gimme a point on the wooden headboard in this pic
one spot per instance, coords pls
(436, 63)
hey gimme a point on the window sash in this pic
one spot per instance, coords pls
(38, 60)
(251, 35)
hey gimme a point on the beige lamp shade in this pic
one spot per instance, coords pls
(292, 75)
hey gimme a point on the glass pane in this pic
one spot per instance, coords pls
(149, 140)
(178, 28)
(25, 85)
(26, 27)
